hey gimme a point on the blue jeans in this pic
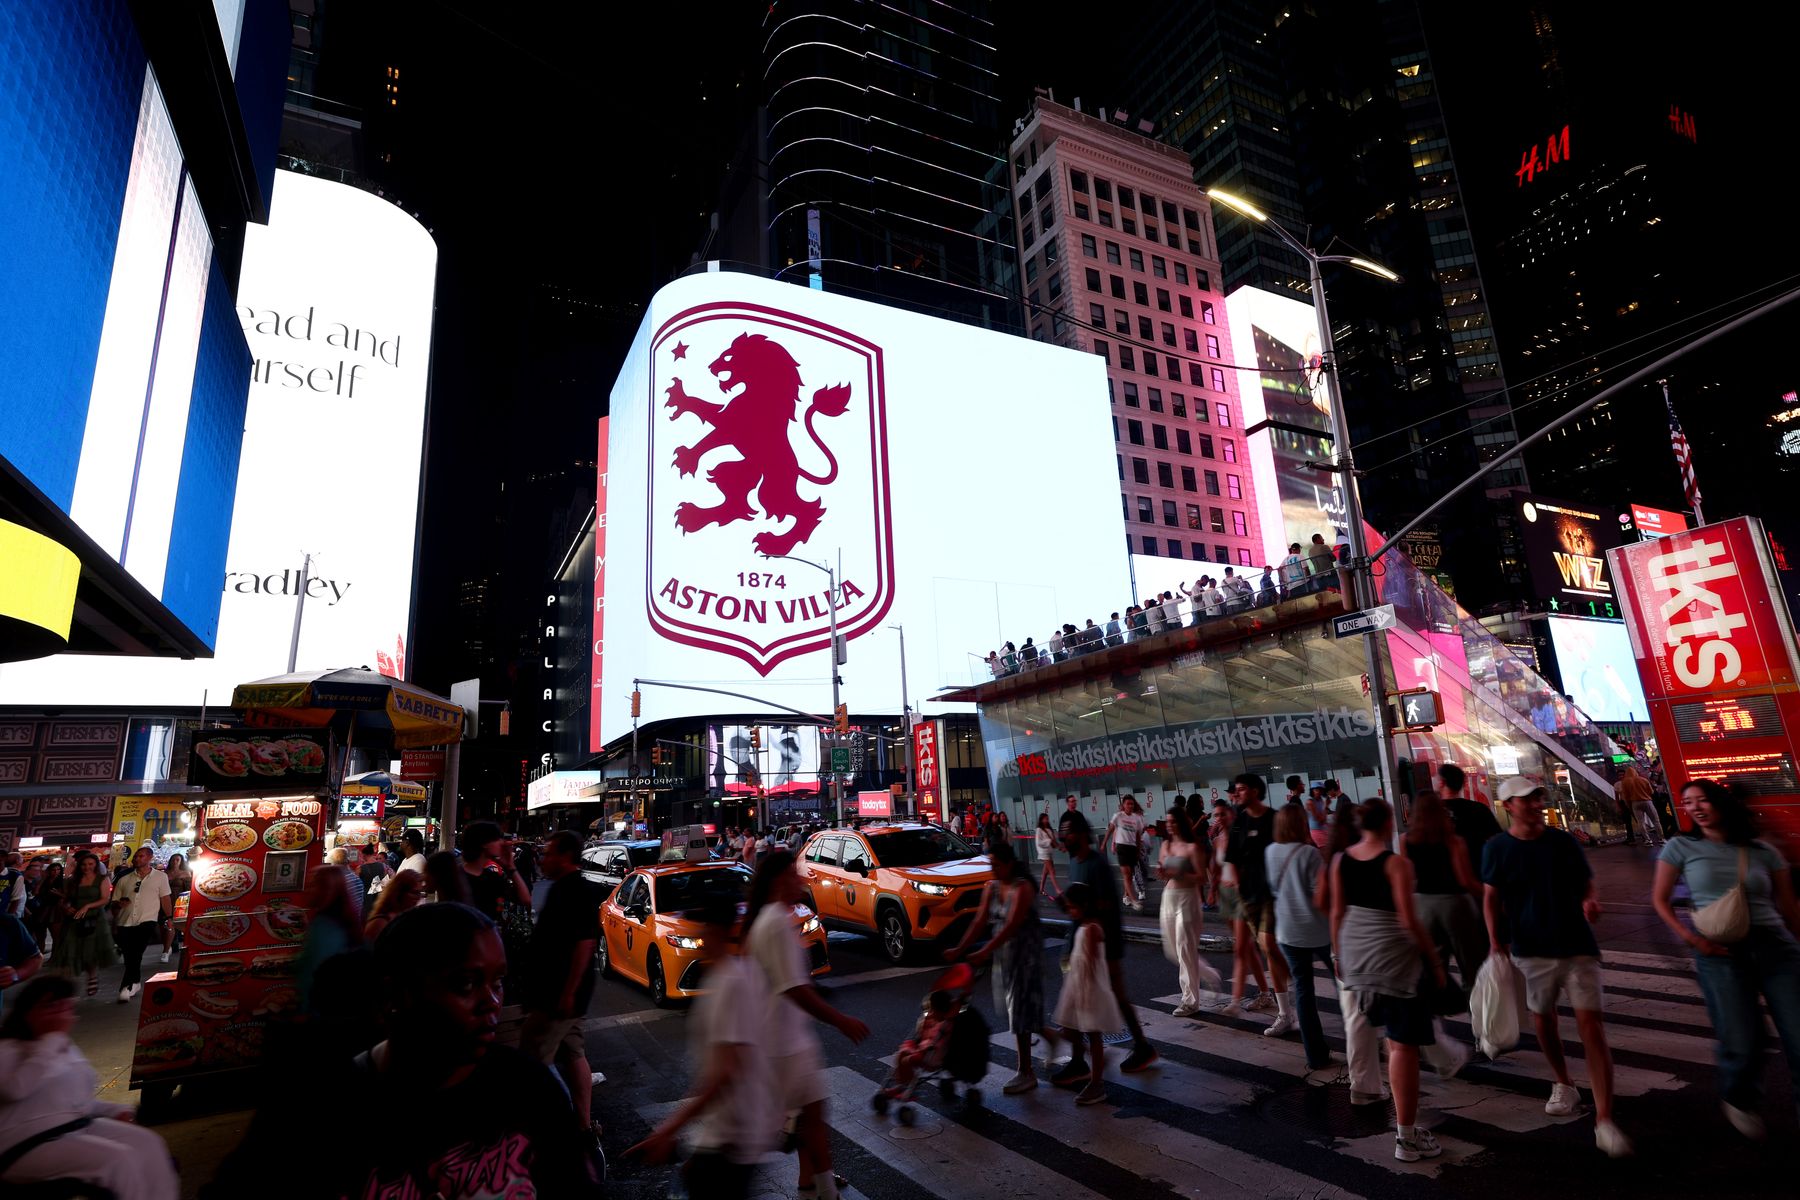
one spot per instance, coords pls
(1306, 1005)
(1765, 963)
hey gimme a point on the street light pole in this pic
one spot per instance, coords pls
(905, 715)
(1361, 582)
(837, 790)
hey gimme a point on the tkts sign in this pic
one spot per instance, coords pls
(1715, 650)
(773, 443)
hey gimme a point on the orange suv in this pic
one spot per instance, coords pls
(648, 936)
(902, 883)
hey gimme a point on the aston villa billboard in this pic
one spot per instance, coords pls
(781, 459)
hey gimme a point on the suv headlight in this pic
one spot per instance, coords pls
(811, 926)
(931, 889)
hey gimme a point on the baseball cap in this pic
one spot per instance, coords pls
(1519, 785)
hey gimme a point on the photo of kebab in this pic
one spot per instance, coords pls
(268, 757)
(231, 759)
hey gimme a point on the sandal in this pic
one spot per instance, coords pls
(93, 986)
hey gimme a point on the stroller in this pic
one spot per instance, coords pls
(949, 1045)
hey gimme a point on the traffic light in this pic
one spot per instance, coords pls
(637, 704)
(656, 756)
(755, 737)
(842, 722)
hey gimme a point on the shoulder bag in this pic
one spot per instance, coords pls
(1727, 919)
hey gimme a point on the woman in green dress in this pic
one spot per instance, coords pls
(86, 943)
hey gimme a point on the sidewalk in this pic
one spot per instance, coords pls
(1622, 877)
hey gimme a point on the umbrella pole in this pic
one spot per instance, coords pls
(349, 741)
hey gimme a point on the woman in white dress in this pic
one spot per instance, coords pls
(1182, 866)
(1087, 1007)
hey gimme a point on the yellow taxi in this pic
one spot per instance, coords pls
(647, 936)
(902, 883)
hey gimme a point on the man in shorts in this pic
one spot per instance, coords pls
(558, 976)
(1089, 866)
(1540, 889)
(1252, 833)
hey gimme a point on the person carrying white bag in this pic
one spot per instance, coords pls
(1495, 1003)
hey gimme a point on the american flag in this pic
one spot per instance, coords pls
(1684, 455)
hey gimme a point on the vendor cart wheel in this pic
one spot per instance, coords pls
(906, 1115)
(947, 1090)
(879, 1102)
(156, 1099)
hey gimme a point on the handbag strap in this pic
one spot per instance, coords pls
(19, 1149)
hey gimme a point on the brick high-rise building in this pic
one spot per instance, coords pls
(1118, 258)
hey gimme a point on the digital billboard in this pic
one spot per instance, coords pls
(781, 459)
(1280, 336)
(1655, 522)
(1565, 550)
(335, 300)
(1598, 670)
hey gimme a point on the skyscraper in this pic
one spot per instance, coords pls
(881, 161)
(1120, 260)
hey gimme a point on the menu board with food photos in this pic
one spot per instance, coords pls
(236, 760)
(246, 921)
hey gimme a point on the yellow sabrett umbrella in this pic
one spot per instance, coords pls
(375, 704)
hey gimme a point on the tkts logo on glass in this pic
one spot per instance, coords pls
(768, 438)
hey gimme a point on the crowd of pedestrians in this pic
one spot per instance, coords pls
(1305, 570)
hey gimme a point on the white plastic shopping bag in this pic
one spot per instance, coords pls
(1497, 1005)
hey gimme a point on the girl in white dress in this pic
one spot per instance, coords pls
(1087, 1005)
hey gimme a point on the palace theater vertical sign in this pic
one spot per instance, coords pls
(1715, 649)
(598, 667)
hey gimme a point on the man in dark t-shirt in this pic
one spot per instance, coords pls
(1475, 822)
(1088, 865)
(1252, 833)
(1539, 881)
(557, 977)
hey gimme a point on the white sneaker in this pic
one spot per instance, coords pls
(1284, 1023)
(1564, 1099)
(1420, 1145)
(1612, 1140)
(1749, 1124)
(1457, 1056)
(165, 956)
(1234, 1010)
(1187, 1010)
(127, 994)
(1263, 1003)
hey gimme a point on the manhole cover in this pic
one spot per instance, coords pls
(1328, 1110)
(914, 1133)
(1121, 1038)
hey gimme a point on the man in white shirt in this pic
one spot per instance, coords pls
(143, 899)
(1212, 603)
(1293, 572)
(415, 852)
(1171, 611)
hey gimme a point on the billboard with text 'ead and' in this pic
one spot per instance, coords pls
(1714, 645)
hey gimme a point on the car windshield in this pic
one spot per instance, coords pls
(692, 889)
(918, 847)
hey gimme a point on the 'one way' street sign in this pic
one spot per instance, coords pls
(1367, 621)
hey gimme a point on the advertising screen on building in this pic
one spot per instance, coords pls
(336, 301)
(1714, 646)
(768, 439)
(1565, 550)
(1280, 336)
(1655, 522)
(1598, 671)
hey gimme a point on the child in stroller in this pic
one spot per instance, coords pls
(949, 1043)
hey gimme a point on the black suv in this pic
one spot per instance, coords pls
(607, 863)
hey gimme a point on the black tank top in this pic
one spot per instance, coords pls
(1435, 874)
(1366, 883)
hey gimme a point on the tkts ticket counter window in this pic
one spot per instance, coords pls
(246, 920)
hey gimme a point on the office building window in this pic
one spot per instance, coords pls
(1105, 219)
(1199, 550)
(1174, 548)
(1173, 366)
(1140, 470)
(1102, 190)
(1191, 340)
(1203, 279)
(1212, 346)
(1033, 299)
(1117, 284)
(1024, 203)
(1043, 185)
(1224, 411)
(1050, 253)
(1092, 279)
(1149, 231)
(1181, 275)
(1031, 269)
(1053, 285)
(1097, 316)
(1078, 182)
(1159, 436)
(1155, 398)
(1218, 379)
(1191, 219)
(1194, 377)
(1217, 517)
(1131, 395)
(1184, 441)
(1088, 246)
(1243, 557)
(1146, 510)
(1145, 329)
(1193, 246)
(1103, 350)
(1148, 204)
(1170, 515)
(1047, 218)
(1112, 253)
(1189, 482)
(1134, 432)
(1212, 483)
(1149, 545)
(1239, 525)
(1122, 321)
(1081, 210)
(1127, 198)
(1140, 293)
(1150, 364)
(1137, 260)
(1186, 304)
(1162, 299)
(1168, 334)
(1206, 314)
(1178, 404)
(1223, 553)
(1127, 358)
(1230, 449)
(1165, 475)
(1159, 266)
(1121, 461)
(1128, 224)
(1234, 487)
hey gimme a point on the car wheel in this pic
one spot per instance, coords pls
(602, 957)
(659, 987)
(896, 938)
